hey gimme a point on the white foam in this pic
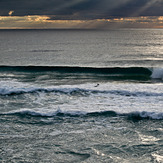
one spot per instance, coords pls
(151, 115)
(14, 90)
(48, 113)
(12, 86)
(81, 89)
(157, 73)
(157, 158)
(119, 97)
(43, 113)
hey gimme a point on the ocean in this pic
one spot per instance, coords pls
(81, 96)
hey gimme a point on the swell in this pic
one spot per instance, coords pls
(130, 116)
(106, 73)
(68, 69)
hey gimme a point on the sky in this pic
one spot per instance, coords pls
(82, 14)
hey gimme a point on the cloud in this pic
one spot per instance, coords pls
(43, 21)
(80, 13)
(83, 9)
(10, 13)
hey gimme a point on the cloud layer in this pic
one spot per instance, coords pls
(80, 13)
(82, 9)
(44, 22)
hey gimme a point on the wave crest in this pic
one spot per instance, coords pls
(145, 115)
(59, 113)
(74, 91)
(157, 73)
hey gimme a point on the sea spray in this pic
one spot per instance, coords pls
(157, 73)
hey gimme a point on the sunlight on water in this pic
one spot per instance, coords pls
(108, 48)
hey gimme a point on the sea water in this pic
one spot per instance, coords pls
(81, 96)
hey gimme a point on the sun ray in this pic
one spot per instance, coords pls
(145, 7)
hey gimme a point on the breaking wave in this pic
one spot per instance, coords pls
(134, 73)
(60, 113)
(113, 71)
(74, 91)
(157, 73)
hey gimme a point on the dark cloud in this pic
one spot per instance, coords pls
(82, 9)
